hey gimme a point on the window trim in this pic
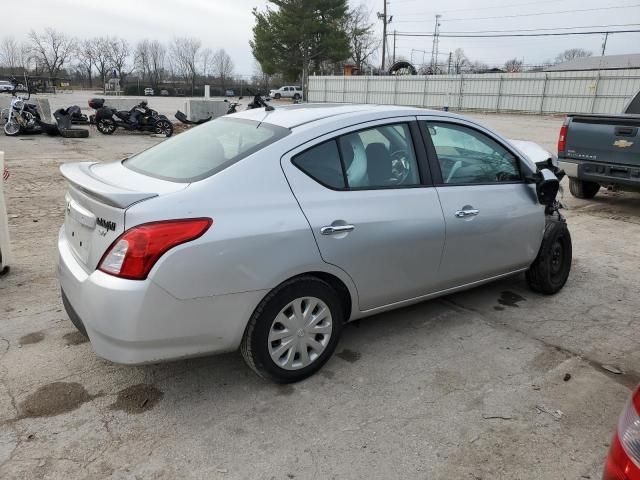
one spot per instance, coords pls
(434, 163)
(417, 142)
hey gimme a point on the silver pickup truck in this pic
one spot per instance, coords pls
(601, 150)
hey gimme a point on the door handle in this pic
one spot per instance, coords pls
(469, 212)
(333, 229)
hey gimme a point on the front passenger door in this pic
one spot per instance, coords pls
(494, 223)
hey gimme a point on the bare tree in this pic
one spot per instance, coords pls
(222, 67)
(141, 59)
(100, 49)
(185, 53)
(572, 53)
(206, 60)
(10, 54)
(512, 66)
(118, 52)
(52, 49)
(157, 56)
(362, 40)
(84, 56)
(459, 61)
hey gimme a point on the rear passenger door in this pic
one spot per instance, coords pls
(367, 196)
(493, 219)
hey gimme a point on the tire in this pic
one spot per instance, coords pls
(106, 126)
(296, 96)
(259, 352)
(12, 129)
(277, 96)
(582, 188)
(163, 127)
(550, 270)
(74, 132)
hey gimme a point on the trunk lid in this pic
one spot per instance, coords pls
(96, 203)
(613, 139)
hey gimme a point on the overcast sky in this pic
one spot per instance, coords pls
(227, 24)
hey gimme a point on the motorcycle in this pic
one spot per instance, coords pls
(140, 117)
(21, 116)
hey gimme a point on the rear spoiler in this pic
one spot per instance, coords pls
(79, 175)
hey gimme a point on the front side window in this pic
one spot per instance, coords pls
(202, 151)
(466, 155)
(382, 156)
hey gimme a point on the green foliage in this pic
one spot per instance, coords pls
(299, 35)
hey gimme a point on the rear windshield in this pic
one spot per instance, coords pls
(204, 150)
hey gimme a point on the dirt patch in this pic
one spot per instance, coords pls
(548, 359)
(54, 399)
(137, 398)
(510, 299)
(349, 355)
(31, 338)
(74, 338)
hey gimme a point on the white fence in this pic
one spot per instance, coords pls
(603, 91)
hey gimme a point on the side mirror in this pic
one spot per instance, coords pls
(547, 186)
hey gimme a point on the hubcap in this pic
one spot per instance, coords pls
(300, 333)
(556, 257)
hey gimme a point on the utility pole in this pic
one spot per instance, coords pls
(385, 21)
(394, 47)
(449, 65)
(434, 49)
(604, 44)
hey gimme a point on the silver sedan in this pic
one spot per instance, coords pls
(268, 230)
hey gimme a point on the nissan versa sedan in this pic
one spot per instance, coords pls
(269, 229)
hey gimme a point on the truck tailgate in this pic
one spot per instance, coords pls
(608, 139)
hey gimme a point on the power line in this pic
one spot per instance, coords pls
(541, 29)
(395, 2)
(528, 14)
(443, 35)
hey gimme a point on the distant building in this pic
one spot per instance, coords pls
(607, 62)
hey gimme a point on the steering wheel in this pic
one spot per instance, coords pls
(400, 167)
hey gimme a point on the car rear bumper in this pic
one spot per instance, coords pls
(133, 322)
(602, 173)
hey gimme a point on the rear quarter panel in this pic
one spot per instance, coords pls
(259, 237)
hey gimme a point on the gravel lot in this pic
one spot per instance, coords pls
(470, 386)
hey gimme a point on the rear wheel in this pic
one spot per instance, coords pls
(294, 330)
(582, 188)
(163, 127)
(550, 269)
(277, 96)
(106, 126)
(296, 96)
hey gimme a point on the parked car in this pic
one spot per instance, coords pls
(229, 93)
(164, 93)
(269, 229)
(6, 86)
(149, 91)
(623, 462)
(294, 92)
(601, 150)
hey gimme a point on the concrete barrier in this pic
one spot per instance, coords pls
(201, 109)
(44, 109)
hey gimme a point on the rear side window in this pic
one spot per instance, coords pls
(202, 151)
(322, 163)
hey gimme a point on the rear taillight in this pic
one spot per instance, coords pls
(136, 251)
(623, 462)
(562, 139)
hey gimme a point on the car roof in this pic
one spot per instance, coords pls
(293, 116)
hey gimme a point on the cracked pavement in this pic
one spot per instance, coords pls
(466, 386)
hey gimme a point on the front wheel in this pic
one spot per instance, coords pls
(550, 270)
(582, 188)
(163, 127)
(106, 126)
(277, 96)
(294, 330)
